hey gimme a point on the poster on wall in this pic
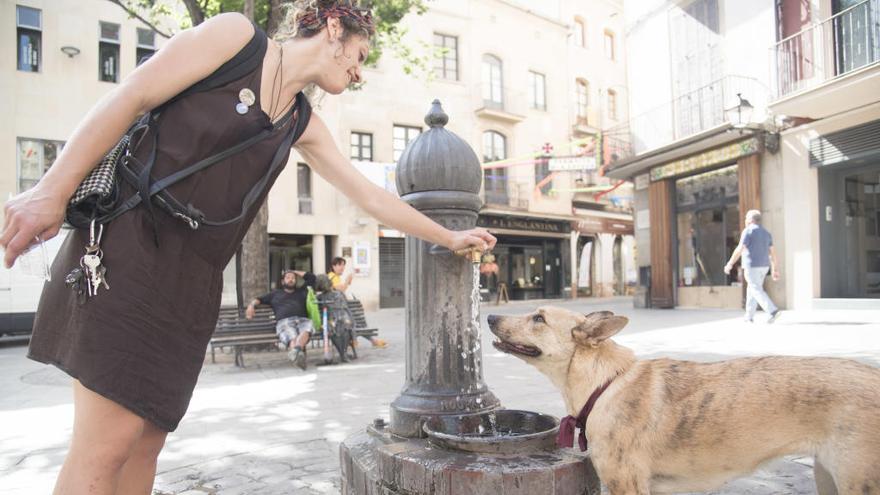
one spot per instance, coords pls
(361, 258)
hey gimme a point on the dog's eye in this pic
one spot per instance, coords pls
(538, 319)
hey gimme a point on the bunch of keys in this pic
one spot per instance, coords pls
(91, 271)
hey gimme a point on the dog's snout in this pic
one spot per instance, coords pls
(492, 320)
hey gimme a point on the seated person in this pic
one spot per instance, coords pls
(341, 284)
(292, 323)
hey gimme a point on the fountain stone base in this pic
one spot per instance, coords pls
(375, 462)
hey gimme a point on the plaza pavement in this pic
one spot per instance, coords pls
(273, 429)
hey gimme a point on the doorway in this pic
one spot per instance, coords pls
(288, 252)
(849, 231)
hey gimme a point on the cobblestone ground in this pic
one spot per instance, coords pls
(273, 429)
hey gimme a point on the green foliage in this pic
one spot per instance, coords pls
(388, 14)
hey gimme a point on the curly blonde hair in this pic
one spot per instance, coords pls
(306, 18)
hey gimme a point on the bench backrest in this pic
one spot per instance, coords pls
(357, 313)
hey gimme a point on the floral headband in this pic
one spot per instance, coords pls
(314, 19)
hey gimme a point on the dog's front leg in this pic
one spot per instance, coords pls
(627, 484)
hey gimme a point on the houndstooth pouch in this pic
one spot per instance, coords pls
(97, 194)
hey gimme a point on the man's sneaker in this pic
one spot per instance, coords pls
(748, 320)
(773, 316)
(298, 357)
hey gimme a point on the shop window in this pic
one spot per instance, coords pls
(707, 227)
(527, 267)
(35, 156)
(304, 188)
(29, 37)
(108, 52)
(146, 45)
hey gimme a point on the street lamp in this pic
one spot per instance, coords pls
(70, 51)
(740, 115)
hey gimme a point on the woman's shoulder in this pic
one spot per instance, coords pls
(230, 29)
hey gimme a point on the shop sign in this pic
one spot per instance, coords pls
(520, 223)
(575, 163)
(603, 225)
(707, 159)
(641, 182)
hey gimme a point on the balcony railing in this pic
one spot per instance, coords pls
(682, 117)
(499, 103)
(501, 190)
(847, 41)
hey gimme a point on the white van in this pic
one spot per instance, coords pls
(20, 293)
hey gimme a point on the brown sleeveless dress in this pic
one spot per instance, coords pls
(142, 343)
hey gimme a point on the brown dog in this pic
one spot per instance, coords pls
(665, 426)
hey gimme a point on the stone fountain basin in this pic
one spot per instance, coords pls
(505, 431)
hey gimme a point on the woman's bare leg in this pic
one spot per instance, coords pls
(104, 436)
(139, 471)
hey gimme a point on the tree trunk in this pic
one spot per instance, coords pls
(196, 14)
(255, 274)
(248, 9)
(276, 15)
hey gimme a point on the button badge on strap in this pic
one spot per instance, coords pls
(246, 98)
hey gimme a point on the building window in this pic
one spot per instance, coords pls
(580, 33)
(146, 45)
(108, 52)
(402, 136)
(35, 156)
(304, 188)
(495, 179)
(537, 91)
(609, 45)
(707, 222)
(542, 171)
(446, 57)
(612, 104)
(29, 36)
(582, 99)
(493, 88)
(362, 146)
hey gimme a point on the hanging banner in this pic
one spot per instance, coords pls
(574, 163)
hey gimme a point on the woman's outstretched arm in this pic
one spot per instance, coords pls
(318, 148)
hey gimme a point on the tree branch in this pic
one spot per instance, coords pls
(137, 16)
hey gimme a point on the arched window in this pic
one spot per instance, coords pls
(582, 98)
(580, 32)
(493, 87)
(609, 45)
(495, 179)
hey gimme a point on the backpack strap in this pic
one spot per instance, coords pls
(158, 189)
(246, 60)
(302, 111)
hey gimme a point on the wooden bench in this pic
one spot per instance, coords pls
(361, 329)
(240, 334)
(237, 332)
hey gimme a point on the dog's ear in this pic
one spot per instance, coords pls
(597, 327)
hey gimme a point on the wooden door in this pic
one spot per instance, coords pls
(660, 204)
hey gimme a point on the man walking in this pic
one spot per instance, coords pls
(758, 257)
(292, 322)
